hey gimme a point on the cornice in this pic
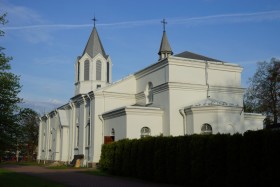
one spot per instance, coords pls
(212, 109)
(118, 95)
(201, 64)
(224, 89)
(78, 99)
(137, 110)
(254, 116)
(186, 86)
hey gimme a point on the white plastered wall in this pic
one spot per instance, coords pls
(128, 122)
(253, 121)
(222, 119)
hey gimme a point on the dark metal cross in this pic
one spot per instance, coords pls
(164, 23)
(94, 20)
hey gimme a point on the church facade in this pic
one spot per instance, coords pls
(178, 95)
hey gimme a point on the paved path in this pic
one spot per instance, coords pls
(73, 177)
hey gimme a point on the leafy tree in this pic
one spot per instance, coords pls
(9, 89)
(27, 138)
(263, 93)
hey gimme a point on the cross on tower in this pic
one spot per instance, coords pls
(94, 20)
(163, 23)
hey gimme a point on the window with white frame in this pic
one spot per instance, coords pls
(77, 136)
(206, 129)
(108, 72)
(86, 70)
(44, 141)
(77, 132)
(145, 132)
(78, 71)
(88, 133)
(98, 70)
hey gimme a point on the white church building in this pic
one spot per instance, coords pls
(178, 95)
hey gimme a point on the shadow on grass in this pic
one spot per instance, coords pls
(97, 172)
(9, 178)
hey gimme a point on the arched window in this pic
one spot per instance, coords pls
(206, 129)
(86, 70)
(145, 132)
(149, 93)
(98, 70)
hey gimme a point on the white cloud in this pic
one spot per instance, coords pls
(42, 107)
(211, 19)
(20, 15)
(230, 18)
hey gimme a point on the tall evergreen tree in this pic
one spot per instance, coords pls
(9, 89)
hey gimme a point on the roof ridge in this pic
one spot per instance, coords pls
(191, 55)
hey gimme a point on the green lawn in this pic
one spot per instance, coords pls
(12, 179)
(22, 163)
(96, 172)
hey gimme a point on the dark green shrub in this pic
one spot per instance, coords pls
(106, 162)
(251, 158)
(197, 154)
(233, 160)
(198, 160)
(215, 160)
(183, 161)
(159, 164)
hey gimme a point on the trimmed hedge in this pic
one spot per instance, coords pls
(198, 160)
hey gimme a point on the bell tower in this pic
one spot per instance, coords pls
(93, 67)
(165, 49)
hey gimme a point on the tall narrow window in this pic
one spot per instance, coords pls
(108, 72)
(78, 73)
(98, 70)
(86, 70)
(44, 141)
(113, 134)
(88, 133)
(77, 135)
(50, 140)
(88, 125)
(77, 129)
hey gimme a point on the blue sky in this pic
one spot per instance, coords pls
(45, 37)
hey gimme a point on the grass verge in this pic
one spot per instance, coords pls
(10, 179)
(96, 172)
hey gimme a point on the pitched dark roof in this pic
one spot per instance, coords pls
(94, 45)
(165, 46)
(187, 54)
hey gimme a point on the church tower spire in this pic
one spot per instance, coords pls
(165, 49)
(94, 66)
(94, 45)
